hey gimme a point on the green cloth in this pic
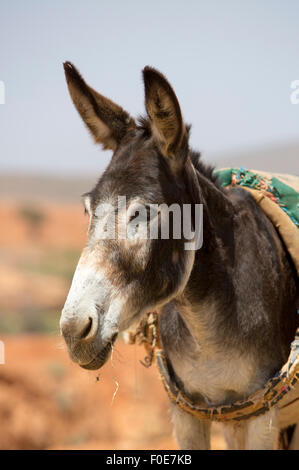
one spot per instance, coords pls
(281, 193)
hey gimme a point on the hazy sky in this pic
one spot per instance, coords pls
(231, 64)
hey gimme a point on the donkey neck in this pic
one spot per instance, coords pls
(213, 262)
(209, 290)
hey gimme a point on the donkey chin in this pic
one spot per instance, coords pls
(92, 353)
(102, 357)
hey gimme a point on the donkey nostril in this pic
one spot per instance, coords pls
(87, 329)
(78, 327)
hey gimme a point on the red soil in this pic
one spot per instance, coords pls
(46, 401)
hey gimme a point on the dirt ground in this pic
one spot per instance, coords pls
(47, 402)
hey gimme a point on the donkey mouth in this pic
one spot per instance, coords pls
(101, 357)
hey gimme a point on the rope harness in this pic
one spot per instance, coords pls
(148, 334)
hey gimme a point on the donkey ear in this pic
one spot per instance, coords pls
(164, 111)
(107, 122)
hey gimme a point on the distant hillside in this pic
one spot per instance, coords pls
(39, 188)
(279, 159)
(29, 188)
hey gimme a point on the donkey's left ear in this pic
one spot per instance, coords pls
(164, 111)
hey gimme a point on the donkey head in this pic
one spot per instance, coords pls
(119, 278)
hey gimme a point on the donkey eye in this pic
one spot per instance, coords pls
(139, 212)
(132, 217)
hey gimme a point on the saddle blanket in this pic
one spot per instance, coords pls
(278, 196)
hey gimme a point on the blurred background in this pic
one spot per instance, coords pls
(232, 65)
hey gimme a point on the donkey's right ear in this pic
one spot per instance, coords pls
(107, 122)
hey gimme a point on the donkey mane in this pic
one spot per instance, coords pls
(204, 169)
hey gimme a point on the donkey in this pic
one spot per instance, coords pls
(227, 310)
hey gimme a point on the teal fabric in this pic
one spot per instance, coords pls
(285, 196)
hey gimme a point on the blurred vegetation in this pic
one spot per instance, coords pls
(34, 217)
(57, 263)
(54, 262)
(38, 277)
(30, 321)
